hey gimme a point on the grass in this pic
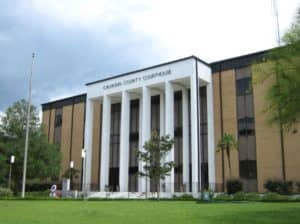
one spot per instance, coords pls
(131, 212)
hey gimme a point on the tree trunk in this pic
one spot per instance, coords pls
(228, 158)
(223, 169)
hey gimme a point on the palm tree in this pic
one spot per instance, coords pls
(226, 143)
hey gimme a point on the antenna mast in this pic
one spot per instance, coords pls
(275, 8)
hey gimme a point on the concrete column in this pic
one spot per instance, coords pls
(162, 129)
(88, 144)
(124, 142)
(195, 126)
(105, 142)
(210, 137)
(185, 139)
(146, 131)
(169, 128)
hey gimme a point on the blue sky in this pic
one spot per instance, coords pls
(81, 41)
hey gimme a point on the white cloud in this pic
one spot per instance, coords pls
(211, 29)
(2, 114)
(82, 40)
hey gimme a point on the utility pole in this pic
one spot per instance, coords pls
(27, 130)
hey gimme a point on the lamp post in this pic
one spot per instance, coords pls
(27, 130)
(11, 162)
(71, 172)
(83, 156)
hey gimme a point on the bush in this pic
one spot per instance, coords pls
(287, 187)
(298, 186)
(241, 196)
(44, 186)
(5, 192)
(223, 197)
(184, 197)
(234, 186)
(274, 197)
(279, 186)
(252, 197)
(38, 193)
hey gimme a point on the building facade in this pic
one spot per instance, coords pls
(192, 101)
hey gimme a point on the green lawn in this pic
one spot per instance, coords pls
(106, 212)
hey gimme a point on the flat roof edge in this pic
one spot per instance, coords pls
(147, 68)
(64, 99)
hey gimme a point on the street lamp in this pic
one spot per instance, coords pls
(11, 161)
(83, 156)
(71, 172)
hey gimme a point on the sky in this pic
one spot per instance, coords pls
(76, 42)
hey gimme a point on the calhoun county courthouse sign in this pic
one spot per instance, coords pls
(137, 79)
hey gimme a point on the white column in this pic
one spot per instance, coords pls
(88, 143)
(105, 142)
(146, 131)
(124, 142)
(162, 128)
(185, 139)
(169, 118)
(210, 136)
(162, 114)
(195, 124)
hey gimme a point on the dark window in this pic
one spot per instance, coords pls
(248, 169)
(114, 147)
(58, 120)
(155, 125)
(155, 112)
(246, 128)
(203, 138)
(57, 125)
(244, 86)
(134, 146)
(178, 185)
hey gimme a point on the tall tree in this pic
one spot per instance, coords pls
(227, 143)
(283, 70)
(156, 150)
(43, 158)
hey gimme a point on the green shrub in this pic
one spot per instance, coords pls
(223, 197)
(279, 186)
(40, 186)
(239, 196)
(287, 187)
(275, 197)
(252, 197)
(38, 193)
(184, 197)
(5, 192)
(234, 186)
(297, 184)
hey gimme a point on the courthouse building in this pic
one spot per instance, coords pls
(192, 101)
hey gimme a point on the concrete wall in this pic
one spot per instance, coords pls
(268, 144)
(96, 144)
(228, 111)
(72, 131)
